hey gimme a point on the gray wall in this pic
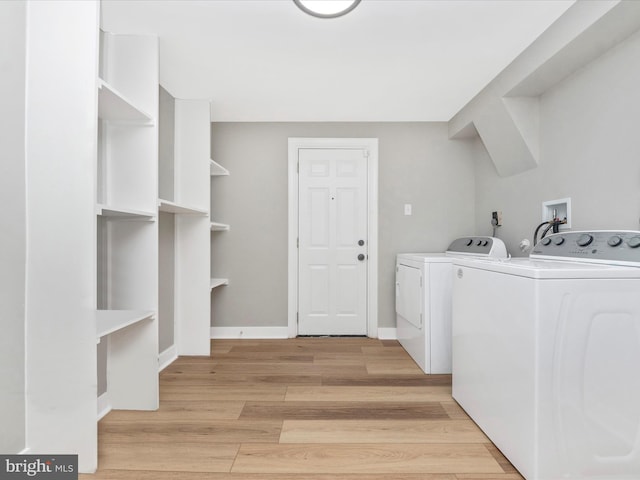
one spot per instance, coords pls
(590, 151)
(417, 165)
(13, 229)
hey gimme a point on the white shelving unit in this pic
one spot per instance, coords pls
(127, 226)
(219, 227)
(218, 282)
(106, 211)
(110, 321)
(61, 105)
(172, 207)
(215, 169)
(184, 236)
(113, 106)
(92, 277)
(132, 360)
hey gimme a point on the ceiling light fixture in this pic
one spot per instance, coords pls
(327, 8)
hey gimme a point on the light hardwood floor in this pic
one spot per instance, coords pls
(299, 409)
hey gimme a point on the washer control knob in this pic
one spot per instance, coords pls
(485, 243)
(546, 241)
(584, 240)
(614, 241)
(479, 243)
(558, 240)
(634, 242)
(469, 242)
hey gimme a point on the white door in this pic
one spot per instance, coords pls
(332, 232)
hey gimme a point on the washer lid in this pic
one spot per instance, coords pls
(548, 269)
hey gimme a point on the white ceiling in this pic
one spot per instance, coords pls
(388, 60)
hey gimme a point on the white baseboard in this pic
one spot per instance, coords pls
(387, 333)
(277, 332)
(249, 332)
(104, 405)
(167, 357)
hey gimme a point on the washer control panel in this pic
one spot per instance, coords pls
(479, 246)
(603, 245)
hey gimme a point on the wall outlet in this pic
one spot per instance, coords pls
(496, 218)
(407, 209)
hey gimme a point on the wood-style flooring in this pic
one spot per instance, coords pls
(299, 409)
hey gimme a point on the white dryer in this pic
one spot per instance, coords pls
(546, 354)
(423, 299)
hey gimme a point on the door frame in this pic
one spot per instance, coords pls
(371, 145)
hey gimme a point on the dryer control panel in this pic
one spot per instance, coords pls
(479, 247)
(601, 246)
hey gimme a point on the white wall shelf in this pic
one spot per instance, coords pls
(218, 282)
(132, 360)
(115, 107)
(123, 213)
(127, 221)
(219, 227)
(172, 207)
(184, 183)
(109, 321)
(217, 169)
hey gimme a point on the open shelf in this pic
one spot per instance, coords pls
(109, 321)
(217, 169)
(217, 282)
(172, 207)
(113, 106)
(123, 213)
(219, 227)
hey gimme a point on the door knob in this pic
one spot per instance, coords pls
(361, 242)
(361, 257)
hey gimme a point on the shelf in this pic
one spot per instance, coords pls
(109, 321)
(123, 213)
(171, 207)
(217, 169)
(219, 227)
(113, 106)
(217, 282)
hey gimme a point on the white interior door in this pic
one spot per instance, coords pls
(333, 243)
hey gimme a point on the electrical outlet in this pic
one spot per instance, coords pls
(407, 209)
(496, 218)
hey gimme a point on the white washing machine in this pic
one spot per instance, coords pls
(546, 354)
(423, 299)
